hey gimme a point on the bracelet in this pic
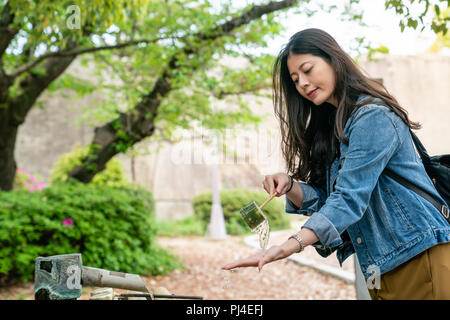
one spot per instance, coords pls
(300, 240)
(292, 183)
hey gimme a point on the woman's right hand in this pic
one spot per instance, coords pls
(278, 182)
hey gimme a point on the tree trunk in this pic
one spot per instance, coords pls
(8, 135)
(14, 111)
(105, 143)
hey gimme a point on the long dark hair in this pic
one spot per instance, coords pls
(311, 134)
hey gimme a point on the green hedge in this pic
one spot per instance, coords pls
(232, 201)
(113, 228)
(187, 226)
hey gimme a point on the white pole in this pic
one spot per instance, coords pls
(217, 230)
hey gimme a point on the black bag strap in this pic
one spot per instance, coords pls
(421, 149)
(442, 208)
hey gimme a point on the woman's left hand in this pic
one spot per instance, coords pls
(277, 252)
(260, 259)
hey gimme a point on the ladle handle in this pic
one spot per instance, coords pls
(267, 201)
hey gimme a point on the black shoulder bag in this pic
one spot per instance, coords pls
(438, 169)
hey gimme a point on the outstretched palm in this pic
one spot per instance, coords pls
(258, 260)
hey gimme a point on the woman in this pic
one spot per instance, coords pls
(340, 130)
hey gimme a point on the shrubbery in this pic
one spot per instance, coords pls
(24, 180)
(113, 228)
(232, 201)
(113, 174)
(187, 226)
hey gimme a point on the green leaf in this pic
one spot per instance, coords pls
(38, 71)
(437, 9)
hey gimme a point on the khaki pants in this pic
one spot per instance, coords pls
(424, 277)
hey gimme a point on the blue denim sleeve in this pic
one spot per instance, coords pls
(313, 199)
(373, 139)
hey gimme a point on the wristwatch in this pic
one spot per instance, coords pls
(300, 240)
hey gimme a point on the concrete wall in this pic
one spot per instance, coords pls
(176, 173)
(421, 84)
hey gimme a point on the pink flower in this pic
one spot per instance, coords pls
(28, 181)
(67, 222)
(40, 185)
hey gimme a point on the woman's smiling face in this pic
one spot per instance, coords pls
(314, 78)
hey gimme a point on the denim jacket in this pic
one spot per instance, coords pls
(367, 212)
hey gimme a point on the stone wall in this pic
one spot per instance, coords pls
(421, 84)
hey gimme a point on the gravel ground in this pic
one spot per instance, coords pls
(204, 277)
(282, 279)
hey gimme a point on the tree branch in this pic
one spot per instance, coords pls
(7, 33)
(142, 117)
(222, 94)
(255, 12)
(78, 51)
(33, 85)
